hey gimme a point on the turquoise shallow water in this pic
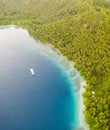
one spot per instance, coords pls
(43, 102)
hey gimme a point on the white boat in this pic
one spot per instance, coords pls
(32, 71)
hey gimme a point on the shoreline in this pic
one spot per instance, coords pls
(49, 49)
(74, 73)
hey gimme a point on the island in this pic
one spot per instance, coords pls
(80, 30)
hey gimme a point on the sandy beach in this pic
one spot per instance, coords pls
(69, 66)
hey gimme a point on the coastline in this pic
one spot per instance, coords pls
(78, 79)
(69, 66)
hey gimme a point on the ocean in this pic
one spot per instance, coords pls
(46, 101)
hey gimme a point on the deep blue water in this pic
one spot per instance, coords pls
(43, 102)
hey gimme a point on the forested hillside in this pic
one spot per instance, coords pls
(80, 29)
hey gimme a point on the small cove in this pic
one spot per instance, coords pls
(48, 101)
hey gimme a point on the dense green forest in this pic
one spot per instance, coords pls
(80, 29)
